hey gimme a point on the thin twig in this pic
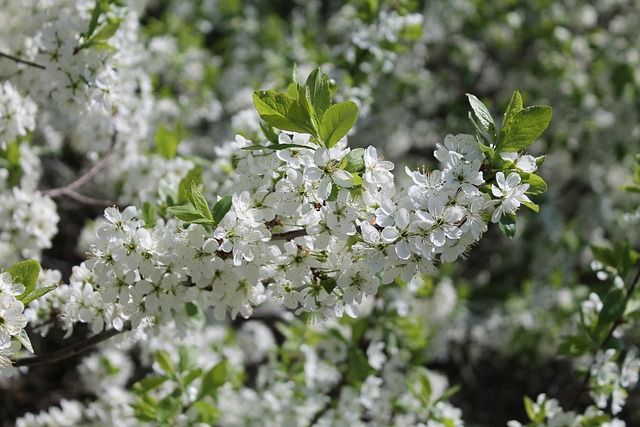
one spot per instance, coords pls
(288, 235)
(82, 180)
(22, 61)
(72, 350)
(86, 200)
(618, 322)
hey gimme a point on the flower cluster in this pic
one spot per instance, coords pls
(316, 229)
(17, 114)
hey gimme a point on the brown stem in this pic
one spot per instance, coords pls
(288, 235)
(22, 61)
(72, 350)
(82, 180)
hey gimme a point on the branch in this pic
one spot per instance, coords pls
(22, 61)
(84, 199)
(587, 377)
(288, 235)
(72, 350)
(82, 180)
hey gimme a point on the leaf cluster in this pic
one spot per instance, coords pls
(521, 127)
(26, 273)
(307, 109)
(151, 406)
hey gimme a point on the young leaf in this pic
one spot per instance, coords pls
(528, 407)
(269, 133)
(194, 176)
(148, 214)
(188, 214)
(526, 126)
(354, 161)
(167, 140)
(337, 122)
(213, 379)
(36, 293)
(105, 32)
(483, 114)
(359, 367)
(280, 111)
(93, 22)
(574, 346)
(25, 272)
(148, 383)
(221, 208)
(199, 202)
(536, 183)
(24, 340)
(613, 305)
(318, 88)
(532, 206)
(514, 107)
(164, 361)
(507, 225)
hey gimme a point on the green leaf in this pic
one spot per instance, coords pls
(164, 361)
(354, 161)
(148, 384)
(306, 108)
(195, 314)
(269, 132)
(329, 284)
(213, 379)
(194, 176)
(480, 133)
(105, 32)
(199, 202)
(36, 293)
(221, 208)
(605, 255)
(528, 407)
(574, 346)
(188, 357)
(206, 413)
(359, 367)
(318, 88)
(514, 107)
(93, 22)
(168, 407)
(537, 185)
(25, 272)
(424, 384)
(23, 338)
(507, 225)
(281, 111)
(483, 114)
(337, 122)
(448, 393)
(167, 140)
(191, 376)
(532, 206)
(188, 214)
(526, 126)
(148, 214)
(102, 46)
(613, 306)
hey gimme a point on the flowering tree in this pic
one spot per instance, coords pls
(283, 277)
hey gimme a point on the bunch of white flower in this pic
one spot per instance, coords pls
(317, 229)
(17, 114)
